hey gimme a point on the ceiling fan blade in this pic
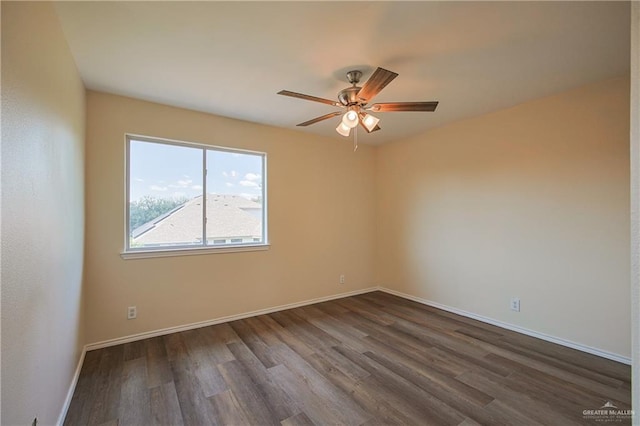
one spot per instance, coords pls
(308, 97)
(317, 119)
(404, 106)
(378, 80)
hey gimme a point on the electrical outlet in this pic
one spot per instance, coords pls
(342, 279)
(132, 312)
(515, 304)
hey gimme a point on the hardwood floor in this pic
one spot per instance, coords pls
(363, 360)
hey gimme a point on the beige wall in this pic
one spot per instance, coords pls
(43, 110)
(531, 201)
(320, 207)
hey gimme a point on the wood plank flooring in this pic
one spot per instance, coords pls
(364, 360)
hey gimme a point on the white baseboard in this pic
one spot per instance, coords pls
(164, 331)
(518, 329)
(169, 330)
(72, 388)
(220, 320)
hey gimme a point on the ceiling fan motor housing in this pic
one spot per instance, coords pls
(349, 96)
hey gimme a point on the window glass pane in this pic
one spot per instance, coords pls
(234, 197)
(165, 195)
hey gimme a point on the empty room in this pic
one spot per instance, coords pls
(320, 213)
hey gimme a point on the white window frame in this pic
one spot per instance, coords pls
(146, 252)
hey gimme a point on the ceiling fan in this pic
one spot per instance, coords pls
(355, 101)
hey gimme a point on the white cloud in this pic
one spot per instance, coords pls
(229, 184)
(249, 184)
(138, 180)
(252, 176)
(197, 187)
(157, 188)
(183, 183)
(232, 174)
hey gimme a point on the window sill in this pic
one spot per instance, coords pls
(144, 254)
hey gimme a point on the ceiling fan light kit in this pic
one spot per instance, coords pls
(350, 119)
(355, 100)
(343, 129)
(369, 121)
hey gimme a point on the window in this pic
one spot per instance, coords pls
(183, 196)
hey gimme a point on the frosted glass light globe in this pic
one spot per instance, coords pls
(350, 119)
(343, 129)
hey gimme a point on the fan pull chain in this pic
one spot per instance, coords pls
(355, 139)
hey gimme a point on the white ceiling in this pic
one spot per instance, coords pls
(231, 58)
